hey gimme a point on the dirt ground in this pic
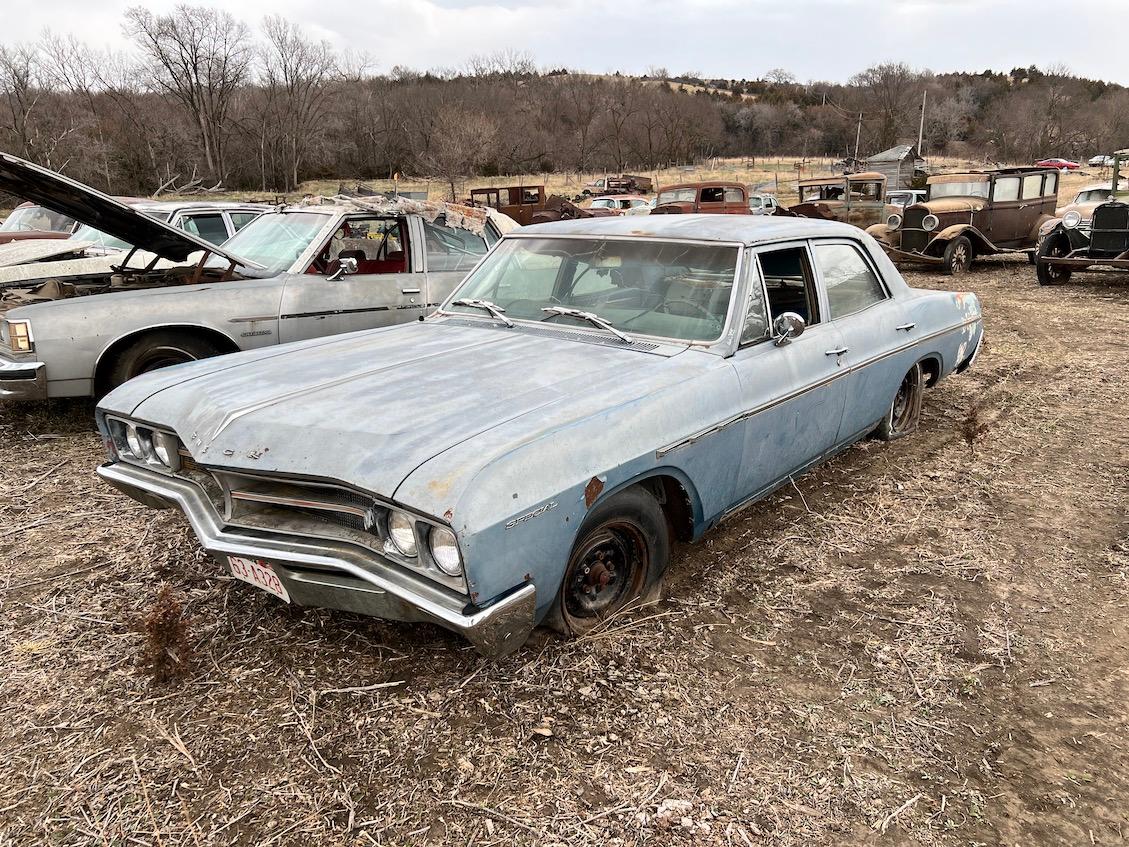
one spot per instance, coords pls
(922, 642)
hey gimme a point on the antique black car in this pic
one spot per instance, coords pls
(1073, 243)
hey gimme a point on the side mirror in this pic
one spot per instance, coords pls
(786, 327)
(346, 267)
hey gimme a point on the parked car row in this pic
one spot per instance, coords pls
(478, 425)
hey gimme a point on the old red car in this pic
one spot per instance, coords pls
(1058, 164)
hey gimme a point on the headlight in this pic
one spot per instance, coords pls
(17, 335)
(445, 550)
(144, 445)
(894, 221)
(1071, 219)
(402, 534)
(930, 223)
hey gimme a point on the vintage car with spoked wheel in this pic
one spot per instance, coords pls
(969, 215)
(1093, 236)
(593, 390)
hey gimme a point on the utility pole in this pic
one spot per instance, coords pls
(921, 126)
(858, 135)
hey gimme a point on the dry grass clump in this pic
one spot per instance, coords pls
(166, 654)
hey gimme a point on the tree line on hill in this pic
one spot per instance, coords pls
(201, 101)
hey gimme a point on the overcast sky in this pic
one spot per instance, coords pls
(814, 39)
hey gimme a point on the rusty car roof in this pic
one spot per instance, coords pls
(834, 179)
(709, 183)
(732, 229)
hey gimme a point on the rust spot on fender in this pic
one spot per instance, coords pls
(447, 515)
(592, 491)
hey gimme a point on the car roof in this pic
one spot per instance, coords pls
(835, 179)
(619, 197)
(708, 184)
(188, 205)
(742, 229)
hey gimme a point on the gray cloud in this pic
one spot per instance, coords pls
(814, 39)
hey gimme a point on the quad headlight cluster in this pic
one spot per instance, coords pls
(407, 536)
(144, 445)
(16, 336)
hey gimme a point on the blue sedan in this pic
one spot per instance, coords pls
(526, 455)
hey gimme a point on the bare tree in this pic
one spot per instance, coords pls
(200, 56)
(460, 142)
(295, 79)
(889, 92)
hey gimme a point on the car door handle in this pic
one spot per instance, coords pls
(409, 291)
(839, 351)
(905, 327)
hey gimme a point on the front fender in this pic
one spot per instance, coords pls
(882, 233)
(980, 242)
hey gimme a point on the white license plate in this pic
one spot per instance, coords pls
(259, 574)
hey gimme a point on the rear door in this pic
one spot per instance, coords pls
(387, 288)
(873, 329)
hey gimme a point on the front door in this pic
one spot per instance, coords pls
(874, 332)
(792, 393)
(1006, 222)
(385, 290)
(450, 254)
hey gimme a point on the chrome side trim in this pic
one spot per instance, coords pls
(740, 416)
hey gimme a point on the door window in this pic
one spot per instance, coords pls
(241, 219)
(1007, 188)
(380, 246)
(209, 227)
(851, 284)
(866, 190)
(1050, 188)
(1032, 186)
(734, 195)
(788, 284)
(451, 249)
(713, 194)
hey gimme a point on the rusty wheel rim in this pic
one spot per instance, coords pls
(960, 258)
(901, 411)
(604, 573)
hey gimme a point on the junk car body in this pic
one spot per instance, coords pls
(622, 184)
(309, 271)
(707, 198)
(1093, 234)
(763, 204)
(857, 198)
(592, 391)
(520, 202)
(971, 214)
(622, 204)
(31, 221)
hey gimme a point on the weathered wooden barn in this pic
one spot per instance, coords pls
(900, 165)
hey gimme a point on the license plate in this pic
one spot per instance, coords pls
(259, 574)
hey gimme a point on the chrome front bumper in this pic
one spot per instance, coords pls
(23, 380)
(335, 575)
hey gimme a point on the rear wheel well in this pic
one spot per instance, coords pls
(675, 502)
(106, 361)
(931, 370)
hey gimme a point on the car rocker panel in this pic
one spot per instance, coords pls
(442, 471)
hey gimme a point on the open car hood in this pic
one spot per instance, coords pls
(71, 198)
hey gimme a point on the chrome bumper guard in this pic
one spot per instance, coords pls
(23, 380)
(331, 574)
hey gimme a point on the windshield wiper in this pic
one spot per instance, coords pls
(494, 309)
(592, 318)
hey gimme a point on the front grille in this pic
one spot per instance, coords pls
(1109, 229)
(302, 508)
(914, 238)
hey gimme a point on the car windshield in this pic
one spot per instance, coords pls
(36, 218)
(602, 204)
(645, 287)
(1093, 195)
(274, 241)
(681, 195)
(977, 188)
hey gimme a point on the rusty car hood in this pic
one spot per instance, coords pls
(71, 198)
(1086, 210)
(370, 407)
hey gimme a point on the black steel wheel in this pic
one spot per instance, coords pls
(157, 350)
(619, 556)
(958, 256)
(1052, 247)
(904, 413)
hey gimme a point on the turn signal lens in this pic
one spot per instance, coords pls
(17, 334)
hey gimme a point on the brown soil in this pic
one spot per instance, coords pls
(925, 642)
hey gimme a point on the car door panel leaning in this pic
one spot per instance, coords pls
(350, 463)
